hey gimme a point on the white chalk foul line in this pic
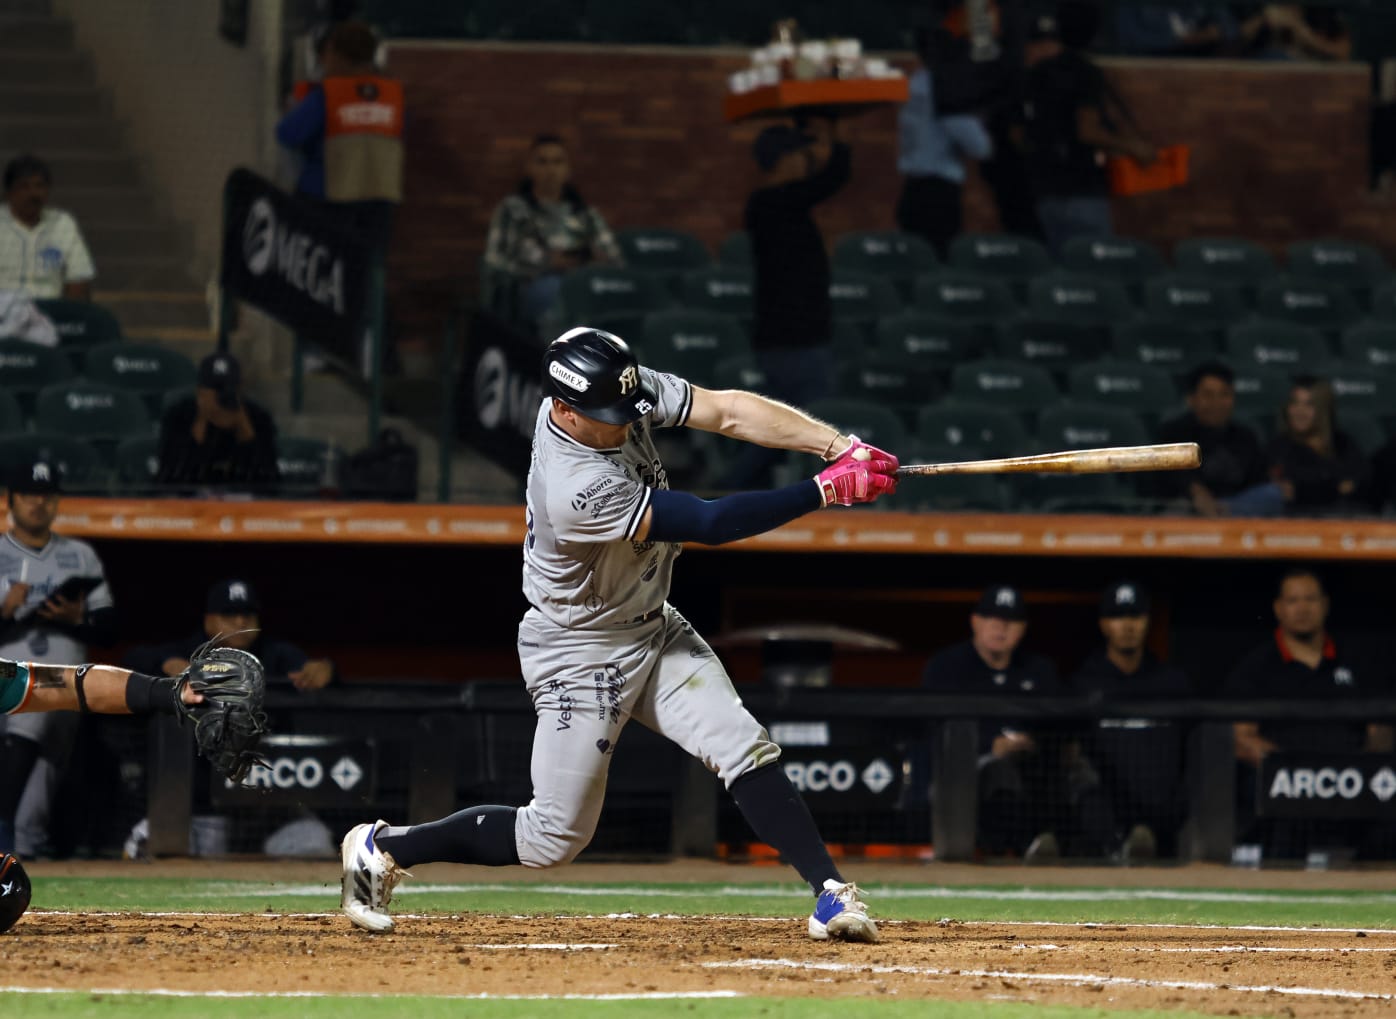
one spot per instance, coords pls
(1239, 949)
(163, 992)
(1081, 979)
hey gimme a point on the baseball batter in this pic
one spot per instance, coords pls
(601, 645)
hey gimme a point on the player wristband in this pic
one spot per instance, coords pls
(151, 694)
(678, 516)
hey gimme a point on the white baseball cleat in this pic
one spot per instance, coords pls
(370, 875)
(838, 914)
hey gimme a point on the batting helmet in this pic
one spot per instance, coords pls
(14, 891)
(596, 373)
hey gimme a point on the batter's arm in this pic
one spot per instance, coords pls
(758, 419)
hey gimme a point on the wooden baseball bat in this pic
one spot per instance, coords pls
(1173, 456)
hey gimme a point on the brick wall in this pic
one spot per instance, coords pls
(1279, 152)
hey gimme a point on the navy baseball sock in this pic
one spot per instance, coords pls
(483, 835)
(779, 817)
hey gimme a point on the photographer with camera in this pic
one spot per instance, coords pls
(218, 437)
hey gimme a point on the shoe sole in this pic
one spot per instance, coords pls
(845, 928)
(362, 917)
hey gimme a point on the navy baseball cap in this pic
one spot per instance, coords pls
(1001, 602)
(1124, 598)
(232, 597)
(777, 140)
(221, 372)
(40, 477)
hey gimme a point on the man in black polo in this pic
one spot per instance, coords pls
(1139, 760)
(1301, 661)
(1020, 773)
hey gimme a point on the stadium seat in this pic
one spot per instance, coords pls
(1013, 385)
(1360, 389)
(1007, 257)
(1358, 267)
(1325, 306)
(1080, 298)
(1053, 344)
(307, 466)
(148, 370)
(689, 343)
(1073, 425)
(1232, 260)
(138, 463)
(611, 297)
(735, 249)
(1383, 307)
(926, 342)
(972, 427)
(1200, 302)
(889, 381)
(1366, 430)
(1080, 493)
(890, 254)
(1168, 345)
(951, 492)
(668, 253)
(1284, 345)
(1371, 343)
(26, 367)
(1145, 389)
(1261, 390)
(1126, 260)
(80, 325)
(870, 421)
(11, 413)
(722, 288)
(860, 298)
(96, 413)
(740, 371)
(77, 460)
(965, 297)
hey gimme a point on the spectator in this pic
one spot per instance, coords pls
(42, 254)
(539, 233)
(1139, 760)
(932, 154)
(1318, 467)
(1296, 32)
(1074, 118)
(1181, 30)
(792, 334)
(218, 438)
(232, 617)
(1301, 661)
(56, 603)
(1026, 775)
(1232, 480)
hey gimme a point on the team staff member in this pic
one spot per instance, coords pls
(1301, 660)
(601, 644)
(1019, 802)
(1139, 760)
(44, 622)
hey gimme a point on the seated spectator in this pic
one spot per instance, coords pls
(1302, 661)
(1318, 467)
(541, 232)
(232, 617)
(1139, 760)
(1027, 774)
(1180, 30)
(42, 254)
(1232, 478)
(1296, 32)
(217, 437)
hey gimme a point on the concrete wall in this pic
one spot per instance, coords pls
(194, 105)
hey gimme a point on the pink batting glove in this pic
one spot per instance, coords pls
(852, 480)
(855, 444)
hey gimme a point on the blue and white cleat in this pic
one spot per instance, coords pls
(370, 875)
(839, 915)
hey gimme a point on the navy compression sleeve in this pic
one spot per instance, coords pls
(678, 516)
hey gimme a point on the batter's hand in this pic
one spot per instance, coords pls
(873, 453)
(853, 480)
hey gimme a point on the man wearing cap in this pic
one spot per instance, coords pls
(1139, 760)
(218, 437)
(55, 604)
(1019, 801)
(232, 617)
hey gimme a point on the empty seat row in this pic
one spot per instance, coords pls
(148, 370)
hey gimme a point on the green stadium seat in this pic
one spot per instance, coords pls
(1013, 385)
(1054, 344)
(96, 413)
(1370, 342)
(146, 369)
(974, 428)
(78, 461)
(890, 254)
(1008, 257)
(1200, 302)
(306, 466)
(611, 297)
(1360, 389)
(666, 252)
(1126, 260)
(722, 288)
(870, 421)
(1145, 389)
(1284, 345)
(1351, 264)
(949, 493)
(740, 371)
(1383, 307)
(1171, 346)
(1080, 493)
(1261, 390)
(11, 413)
(26, 367)
(1325, 306)
(1232, 260)
(1366, 430)
(1089, 426)
(881, 379)
(1080, 298)
(138, 464)
(926, 342)
(965, 297)
(861, 298)
(735, 249)
(690, 343)
(80, 325)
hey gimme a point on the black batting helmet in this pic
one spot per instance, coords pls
(596, 373)
(14, 891)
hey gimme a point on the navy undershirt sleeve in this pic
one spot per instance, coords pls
(679, 516)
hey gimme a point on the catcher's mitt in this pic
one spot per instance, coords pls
(229, 723)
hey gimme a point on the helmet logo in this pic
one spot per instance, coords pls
(569, 378)
(629, 380)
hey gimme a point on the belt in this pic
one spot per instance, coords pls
(648, 617)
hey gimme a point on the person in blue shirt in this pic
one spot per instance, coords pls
(932, 152)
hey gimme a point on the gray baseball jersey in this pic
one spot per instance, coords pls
(601, 645)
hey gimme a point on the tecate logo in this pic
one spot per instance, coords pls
(259, 237)
(568, 377)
